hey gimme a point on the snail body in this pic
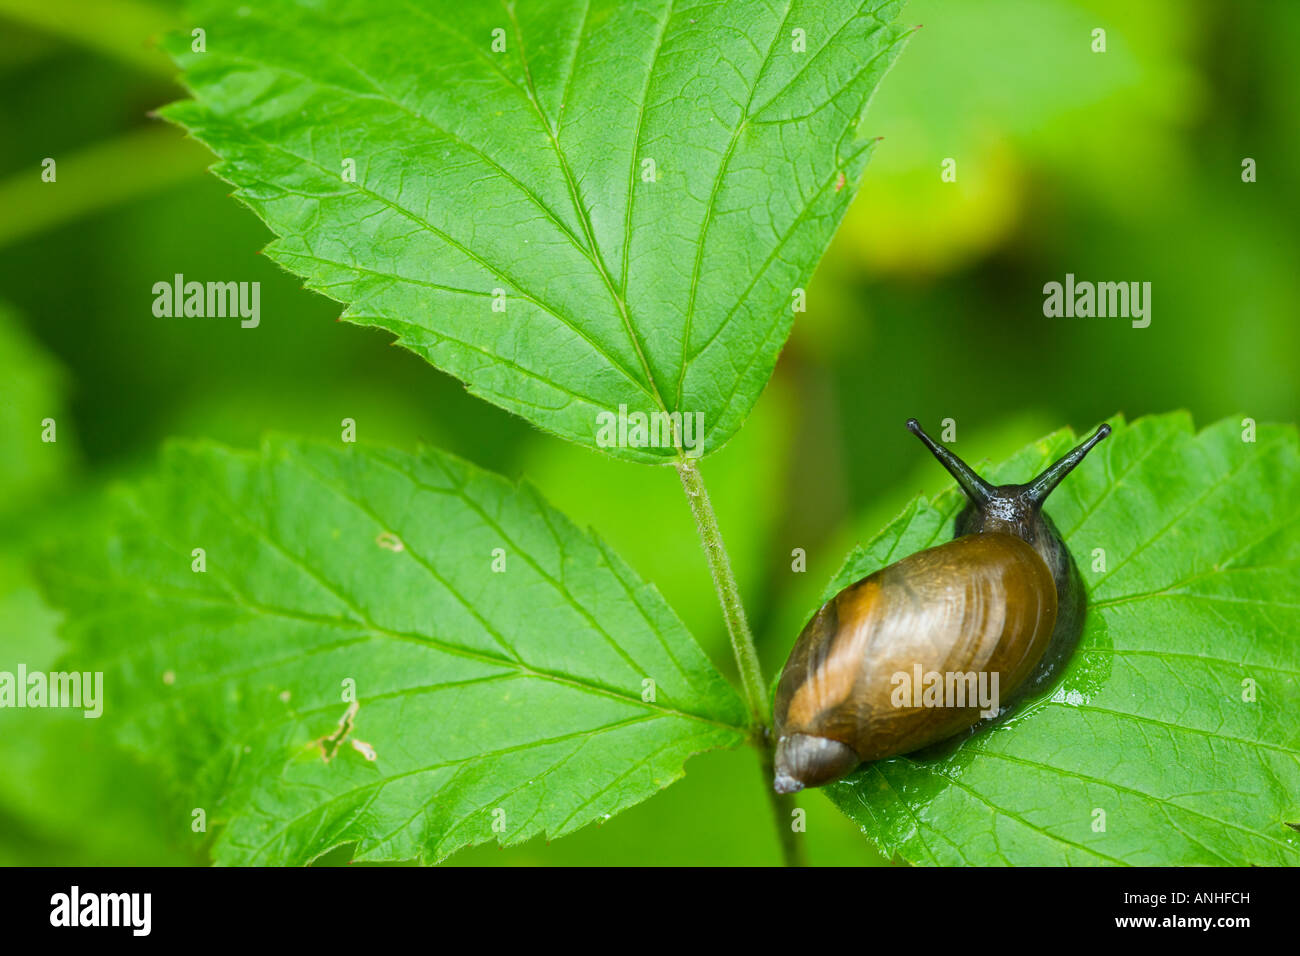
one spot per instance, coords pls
(1001, 606)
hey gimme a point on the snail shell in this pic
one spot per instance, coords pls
(1002, 604)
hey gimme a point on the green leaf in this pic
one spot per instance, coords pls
(490, 703)
(1148, 724)
(525, 174)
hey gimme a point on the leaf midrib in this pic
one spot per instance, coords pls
(598, 257)
(379, 785)
(649, 386)
(235, 598)
(713, 198)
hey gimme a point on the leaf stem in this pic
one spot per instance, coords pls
(742, 646)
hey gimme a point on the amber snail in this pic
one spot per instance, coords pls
(1003, 599)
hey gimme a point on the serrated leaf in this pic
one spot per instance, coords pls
(642, 185)
(1150, 723)
(490, 703)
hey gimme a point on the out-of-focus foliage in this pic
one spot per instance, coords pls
(1122, 166)
(111, 813)
(32, 461)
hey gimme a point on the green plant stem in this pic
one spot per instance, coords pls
(742, 642)
(742, 646)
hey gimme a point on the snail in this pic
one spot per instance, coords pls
(1002, 603)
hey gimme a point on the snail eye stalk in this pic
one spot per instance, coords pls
(979, 491)
(1043, 485)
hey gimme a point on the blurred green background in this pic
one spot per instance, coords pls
(1117, 166)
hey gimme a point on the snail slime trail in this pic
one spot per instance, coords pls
(976, 622)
